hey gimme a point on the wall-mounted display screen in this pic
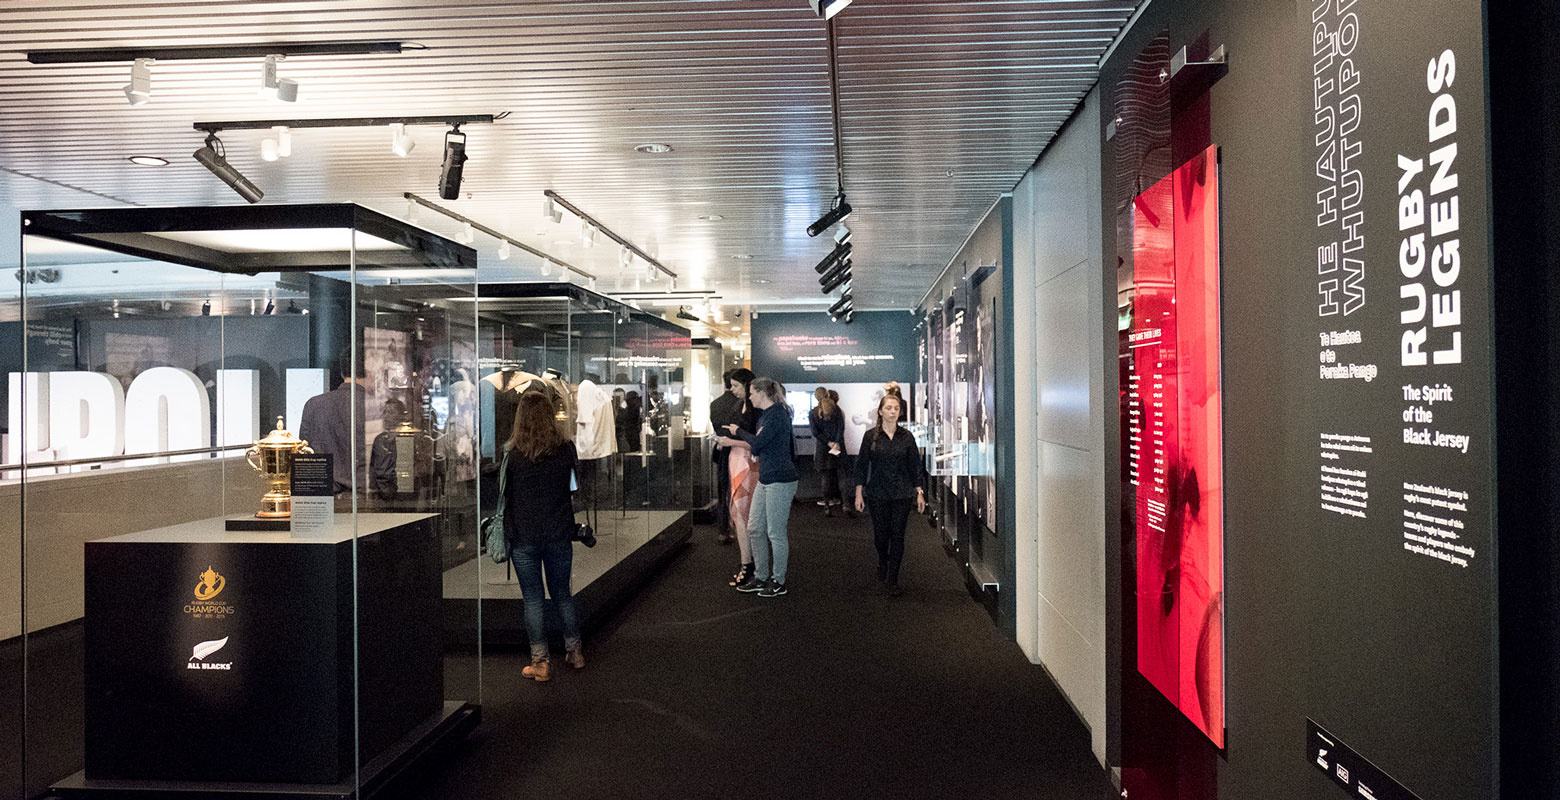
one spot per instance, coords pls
(1175, 445)
(805, 347)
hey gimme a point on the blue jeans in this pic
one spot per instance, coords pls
(766, 529)
(557, 559)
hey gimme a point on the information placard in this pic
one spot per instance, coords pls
(313, 495)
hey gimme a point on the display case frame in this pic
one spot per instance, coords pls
(134, 320)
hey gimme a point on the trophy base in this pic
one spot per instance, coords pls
(275, 506)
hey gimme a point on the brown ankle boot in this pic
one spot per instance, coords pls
(538, 671)
(575, 658)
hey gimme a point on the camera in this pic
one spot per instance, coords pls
(584, 534)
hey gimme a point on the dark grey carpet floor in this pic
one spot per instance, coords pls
(695, 691)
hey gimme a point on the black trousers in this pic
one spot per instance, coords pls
(889, 517)
(722, 494)
(829, 477)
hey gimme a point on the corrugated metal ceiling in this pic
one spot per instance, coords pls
(944, 105)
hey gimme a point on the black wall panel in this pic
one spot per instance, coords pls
(1376, 617)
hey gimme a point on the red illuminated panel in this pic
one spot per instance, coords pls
(1176, 444)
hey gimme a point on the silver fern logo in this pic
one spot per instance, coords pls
(204, 650)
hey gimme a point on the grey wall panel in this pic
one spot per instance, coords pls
(1072, 573)
(1062, 315)
(1067, 178)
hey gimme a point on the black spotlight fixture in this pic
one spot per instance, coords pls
(834, 272)
(213, 156)
(270, 307)
(682, 313)
(454, 164)
(828, 8)
(840, 211)
(836, 256)
(839, 278)
(205, 308)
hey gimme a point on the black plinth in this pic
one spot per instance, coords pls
(246, 673)
(257, 524)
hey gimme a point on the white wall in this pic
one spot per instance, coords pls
(1059, 386)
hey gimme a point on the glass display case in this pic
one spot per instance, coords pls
(619, 378)
(239, 451)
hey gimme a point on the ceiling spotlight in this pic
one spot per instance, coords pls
(213, 156)
(682, 313)
(411, 210)
(279, 147)
(587, 234)
(624, 258)
(454, 164)
(842, 235)
(840, 211)
(205, 308)
(550, 212)
(503, 249)
(148, 161)
(139, 90)
(840, 304)
(468, 234)
(270, 307)
(839, 254)
(742, 256)
(711, 217)
(546, 267)
(834, 272)
(654, 148)
(400, 141)
(841, 277)
(274, 86)
(828, 8)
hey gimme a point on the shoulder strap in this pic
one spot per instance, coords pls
(503, 482)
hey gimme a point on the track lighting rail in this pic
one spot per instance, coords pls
(459, 217)
(95, 55)
(343, 122)
(593, 222)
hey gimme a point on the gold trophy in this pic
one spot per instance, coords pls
(273, 457)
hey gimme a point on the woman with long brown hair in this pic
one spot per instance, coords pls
(743, 469)
(889, 480)
(828, 430)
(538, 527)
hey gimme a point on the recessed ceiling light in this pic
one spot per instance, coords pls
(653, 147)
(761, 280)
(742, 256)
(149, 161)
(711, 217)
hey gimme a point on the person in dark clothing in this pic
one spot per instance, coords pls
(724, 410)
(629, 422)
(890, 477)
(741, 470)
(771, 508)
(828, 430)
(326, 423)
(538, 524)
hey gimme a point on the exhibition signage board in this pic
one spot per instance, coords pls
(1175, 444)
(313, 495)
(805, 347)
(1392, 313)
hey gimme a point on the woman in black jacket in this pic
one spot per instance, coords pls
(890, 477)
(828, 430)
(538, 527)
